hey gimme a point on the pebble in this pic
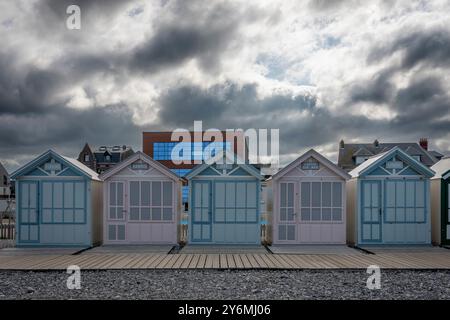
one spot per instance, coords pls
(229, 284)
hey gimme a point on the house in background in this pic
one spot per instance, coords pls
(352, 155)
(59, 203)
(5, 190)
(388, 200)
(309, 202)
(440, 202)
(104, 157)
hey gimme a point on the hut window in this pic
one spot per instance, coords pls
(108, 158)
(151, 200)
(405, 201)
(321, 201)
(63, 202)
(235, 202)
(116, 232)
(87, 158)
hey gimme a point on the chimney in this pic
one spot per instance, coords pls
(376, 143)
(424, 143)
(341, 144)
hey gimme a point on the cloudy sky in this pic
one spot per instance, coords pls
(318, 70)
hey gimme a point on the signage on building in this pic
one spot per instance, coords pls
(310, 165)
(52, 166)
(394, 164)
(139, 166)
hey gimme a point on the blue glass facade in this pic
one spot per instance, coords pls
(185, 189)
(163, 150)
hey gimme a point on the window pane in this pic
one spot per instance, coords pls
(306, 194)
(230, 215)
(57, 195)
(145, 193)
(251, 215)
(156, 214)
(145, 213)
(167, 214)
(290, 196)
(112, 212)
(57, 215)
(156, 194)
(240, 194)
(79, 195)
(120, 187)
(326, 196)
(400, 193)
(251, 195)
(68, 195)
(46, 216)
(375, 195)
(410, 202)
(230, 194)
(68, 216)
(282, 232)
(220, 194)
(167, 194)
(306, 214)
(420, 189)
(47, 194)
(220, 215)
(112, 193)
(283, 194)
(134, 214)
(121, 232)
(283, 214)
(337, 214)
(390, 193)
(112, 232)
(240, 215)
(315, 214)
(291, 232)
(79, 216)
(316, 194)
(134, 193)
(326, 214)
(337, 194)
(120, 212)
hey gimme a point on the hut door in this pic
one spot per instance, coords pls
(371, 211)
(201, 212)
(29, 212)
(287, 225)
(116, 212)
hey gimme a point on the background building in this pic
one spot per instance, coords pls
(352, 155)
(104, 157)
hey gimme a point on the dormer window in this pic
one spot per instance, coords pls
(360, 160)
(87, 158)
(417, 158)
(108, 158)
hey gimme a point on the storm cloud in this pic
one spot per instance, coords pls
(315, 70)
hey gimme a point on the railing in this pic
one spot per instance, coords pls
(7, 229)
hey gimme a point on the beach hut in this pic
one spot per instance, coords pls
(224, 203)
(440, 202)
(59, 203)
(388, 200)
(142, 202)
(309, 202)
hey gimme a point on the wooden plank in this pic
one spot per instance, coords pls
(260, 261)
(201, 261)
(177, 264)
(187, 261)
(194, 261)
(271, 262)
(252, 261)
(216, 261)
(223, 261)
(146, 261)
(245, 261)
(230, 261)
(163, 262)
(238, 261)
(152, 264)
(208, 262)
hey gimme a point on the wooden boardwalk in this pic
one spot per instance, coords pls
(397, 260)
